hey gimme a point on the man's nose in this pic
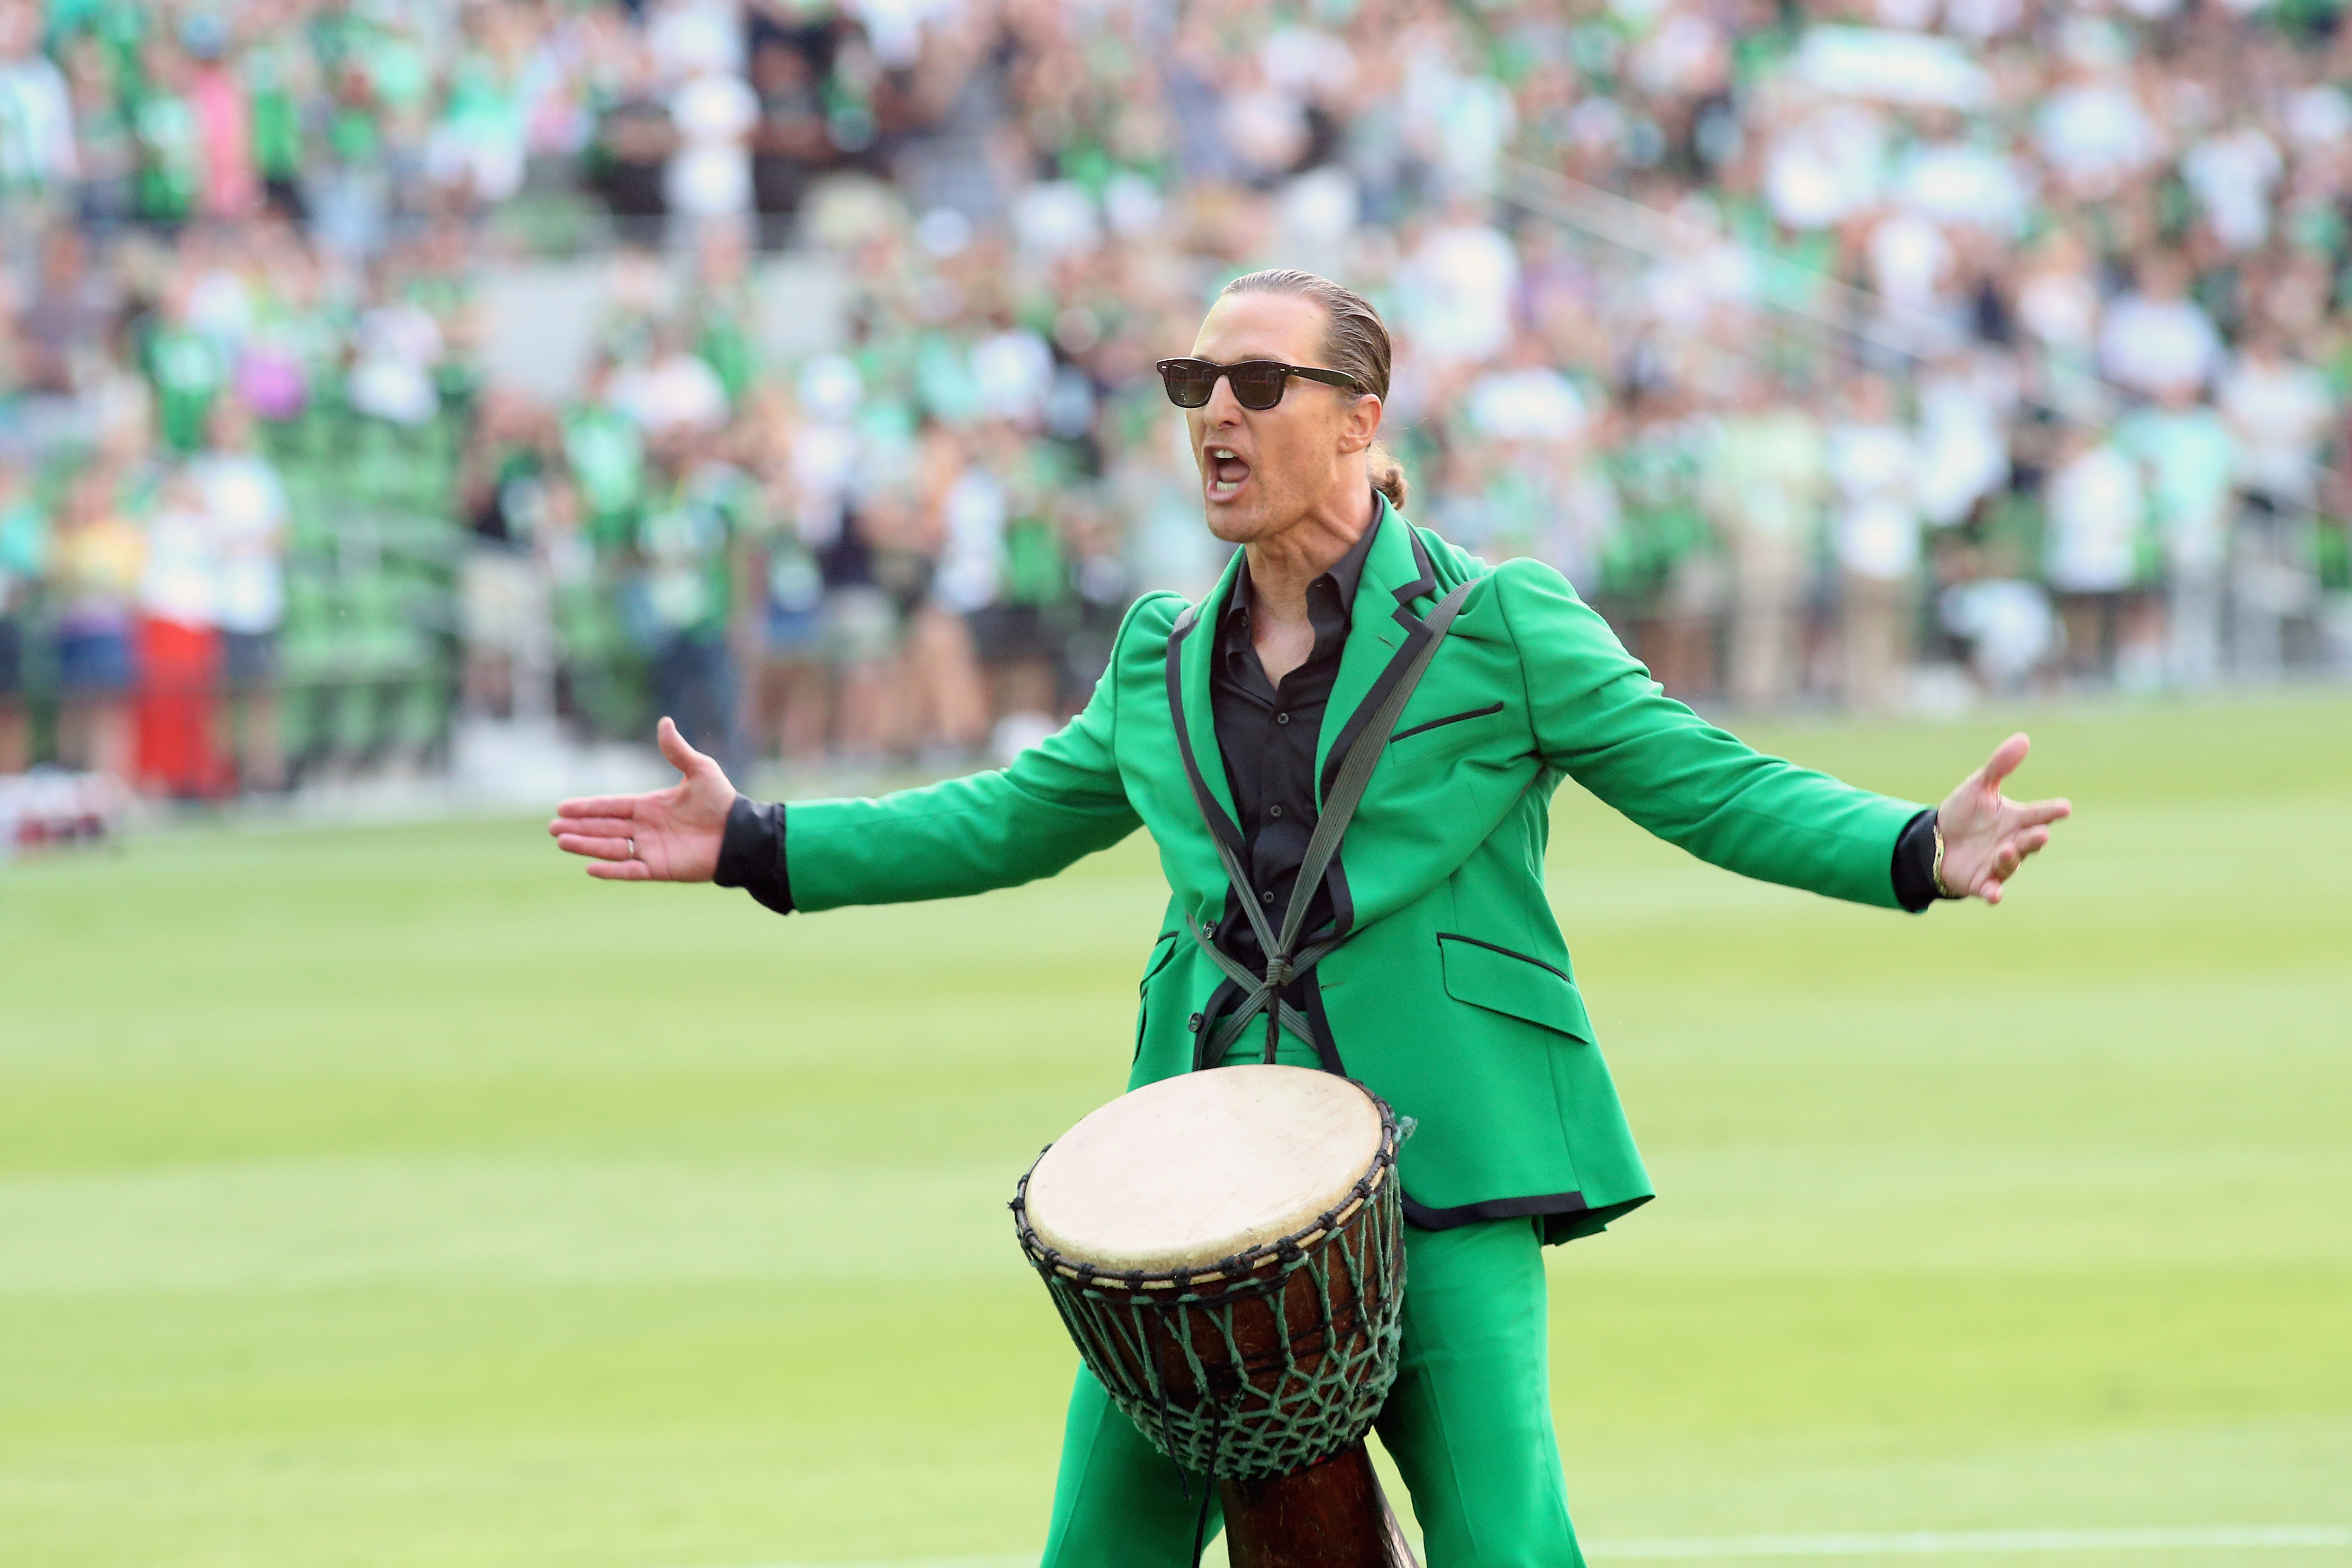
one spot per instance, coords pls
(1222, 407)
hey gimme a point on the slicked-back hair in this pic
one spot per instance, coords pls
(1355, 343)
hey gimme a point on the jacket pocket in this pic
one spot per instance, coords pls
(1501, 981)
(1491, 707)
(1162, 952)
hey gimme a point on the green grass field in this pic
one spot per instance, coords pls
(400, 1196)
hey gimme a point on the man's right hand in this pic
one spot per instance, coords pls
(665, 835)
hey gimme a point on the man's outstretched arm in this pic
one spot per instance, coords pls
(663, 835)
(1600, 718)
(1060, 800)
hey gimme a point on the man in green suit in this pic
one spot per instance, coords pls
(1428, 963)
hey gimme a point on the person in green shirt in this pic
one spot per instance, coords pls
(188, 370)
(281, 75)
(171, 144)
(1022, 634)
(682, 595)
(724, 313)
(606, 454)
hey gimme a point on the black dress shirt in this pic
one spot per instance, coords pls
(1268, 735)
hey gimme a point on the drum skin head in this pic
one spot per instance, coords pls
(1190, 1170)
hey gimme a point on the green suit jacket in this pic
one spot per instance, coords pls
(1453, 999)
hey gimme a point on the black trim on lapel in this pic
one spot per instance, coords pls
(1223, 825)
(1343, 902)
(1415, 635)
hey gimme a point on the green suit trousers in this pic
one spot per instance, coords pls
(1469, 1423)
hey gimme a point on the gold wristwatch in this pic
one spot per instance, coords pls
(1937, 873)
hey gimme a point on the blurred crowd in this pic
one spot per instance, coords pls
(1834, 351)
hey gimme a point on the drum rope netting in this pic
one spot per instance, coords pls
(1239, 1417)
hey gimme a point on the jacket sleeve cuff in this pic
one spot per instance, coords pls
(752, 853)
(1914, 863)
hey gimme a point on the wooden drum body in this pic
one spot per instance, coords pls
(1227, 1250)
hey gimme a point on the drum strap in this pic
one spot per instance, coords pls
(1285, 961)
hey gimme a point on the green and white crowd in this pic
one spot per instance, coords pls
(1840, 354)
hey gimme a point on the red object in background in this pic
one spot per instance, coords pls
(178, 686)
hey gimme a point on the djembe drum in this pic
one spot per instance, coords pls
(1227, 1249)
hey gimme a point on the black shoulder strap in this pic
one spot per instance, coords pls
(1347, 791)
(1363, 755)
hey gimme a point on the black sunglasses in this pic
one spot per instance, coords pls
(1257, 383)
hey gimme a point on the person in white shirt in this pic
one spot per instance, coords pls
(2187, 453)
(2096, 134)
(39, 160)
(1459, 287)
(674, 390)
(1761, 484)
(1874, 464)
(2234, 173)
(1911, 262)
(245, 514)
(2277, 409)
(1965, 403)
(2058, 304)
(2092, 555)
(1955, 183)
(713, 110)
(2156, 337)
(1824, 167)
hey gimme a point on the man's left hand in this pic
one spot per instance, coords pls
(1988, 836)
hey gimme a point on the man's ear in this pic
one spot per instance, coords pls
(1361, 425)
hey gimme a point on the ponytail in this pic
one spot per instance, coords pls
(1388, 474)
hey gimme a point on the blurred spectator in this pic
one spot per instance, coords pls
(2186, 450)
(2096, 556)
(1766, 479)
(98, 561)
(2156, 338)
(711, 113)
(2276, 410)
(66, 320)
(178, 649)
(247, 513)
(38, 165)
(687, 565)
(1773, 330)
(24, 557)
(1874, 464)
(673, 390)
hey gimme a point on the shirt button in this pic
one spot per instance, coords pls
(1274, 811)
(1266, 897)
(1282, 718)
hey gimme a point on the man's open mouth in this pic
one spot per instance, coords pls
(1227, 473)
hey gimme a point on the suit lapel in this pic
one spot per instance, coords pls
(1196, 715)
(1382, 633)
